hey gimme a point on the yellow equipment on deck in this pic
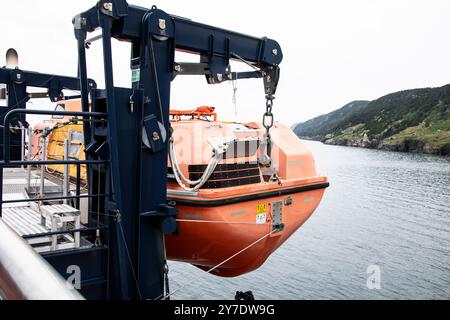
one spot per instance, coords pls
(74, 134)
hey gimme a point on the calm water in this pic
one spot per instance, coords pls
(385, 209)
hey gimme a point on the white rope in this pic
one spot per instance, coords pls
(176, 165)
(220, 264)
(182, 180)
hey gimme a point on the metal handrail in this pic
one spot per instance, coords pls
(25, 275)
(18, 163)
(81, 196)
(78, 195)
(8, 116)
(53, 233)
(15, 163)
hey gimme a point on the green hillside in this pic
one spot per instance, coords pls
(315, 128)
(413, 121)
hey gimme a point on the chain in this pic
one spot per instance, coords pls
(268, 122)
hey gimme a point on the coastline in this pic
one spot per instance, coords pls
(408, 146)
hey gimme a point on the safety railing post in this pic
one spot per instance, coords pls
(22, 143)
(42, 191)
(78, 187)
(30, 139)
(66, 170)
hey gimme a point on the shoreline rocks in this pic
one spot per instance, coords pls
(410, 146)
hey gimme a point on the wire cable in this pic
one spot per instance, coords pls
(163, 297)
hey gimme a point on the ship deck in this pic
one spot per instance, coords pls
(25, 218)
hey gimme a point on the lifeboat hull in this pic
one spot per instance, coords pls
(229, 240)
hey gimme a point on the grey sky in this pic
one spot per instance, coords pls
(335, 51)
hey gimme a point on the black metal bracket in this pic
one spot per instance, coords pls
(271, 76)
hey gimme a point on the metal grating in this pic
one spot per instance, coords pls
(23, 220)
(26, 221)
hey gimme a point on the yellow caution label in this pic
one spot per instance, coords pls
(262, 208)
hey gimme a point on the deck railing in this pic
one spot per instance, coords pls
(24, 274)
(7, 162)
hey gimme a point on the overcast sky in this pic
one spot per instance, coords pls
(334, 51)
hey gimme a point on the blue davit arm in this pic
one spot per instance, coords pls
(215, 46)
(136, 208)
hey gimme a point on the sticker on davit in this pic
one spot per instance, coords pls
(261, 218)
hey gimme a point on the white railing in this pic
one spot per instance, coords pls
(25, 275)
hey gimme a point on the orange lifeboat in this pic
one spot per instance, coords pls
(235, 206)
(245, 209)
